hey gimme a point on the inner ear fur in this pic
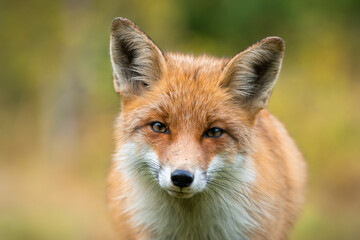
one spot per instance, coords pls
(137, 62)
(251, 74)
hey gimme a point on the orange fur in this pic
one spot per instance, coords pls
(191, 95)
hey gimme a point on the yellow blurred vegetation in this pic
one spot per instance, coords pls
(57, 105)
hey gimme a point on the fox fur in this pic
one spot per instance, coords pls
(248, 180)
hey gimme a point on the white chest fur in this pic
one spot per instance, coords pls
(204, 216)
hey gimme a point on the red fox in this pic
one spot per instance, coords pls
(197, 154)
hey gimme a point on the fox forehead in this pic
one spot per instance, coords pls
(188, 95)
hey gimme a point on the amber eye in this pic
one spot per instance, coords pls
(214, 132)
(159, 127)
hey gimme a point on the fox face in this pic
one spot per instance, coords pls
(186, 122)
(189, 116)
(192, 135)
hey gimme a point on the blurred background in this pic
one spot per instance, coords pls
(57, 105)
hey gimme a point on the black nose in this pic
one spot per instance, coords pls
(182, 178)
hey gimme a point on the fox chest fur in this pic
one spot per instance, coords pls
(197, 155)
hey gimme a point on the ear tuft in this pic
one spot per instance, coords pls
(137, 62)
(251, 74)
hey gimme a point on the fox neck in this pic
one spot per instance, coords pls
(197, 218)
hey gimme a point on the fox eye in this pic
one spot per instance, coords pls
(214, 132)
(159, 127)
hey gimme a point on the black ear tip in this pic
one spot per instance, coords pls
(120, 21)
(275, 42)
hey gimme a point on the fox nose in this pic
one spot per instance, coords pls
(182, 178)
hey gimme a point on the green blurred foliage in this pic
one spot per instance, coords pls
(57, 103)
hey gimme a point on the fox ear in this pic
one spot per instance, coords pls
(137, 62)
(251, 74)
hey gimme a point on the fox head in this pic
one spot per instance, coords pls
(186, 121)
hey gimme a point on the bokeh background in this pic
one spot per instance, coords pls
(57, 105)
